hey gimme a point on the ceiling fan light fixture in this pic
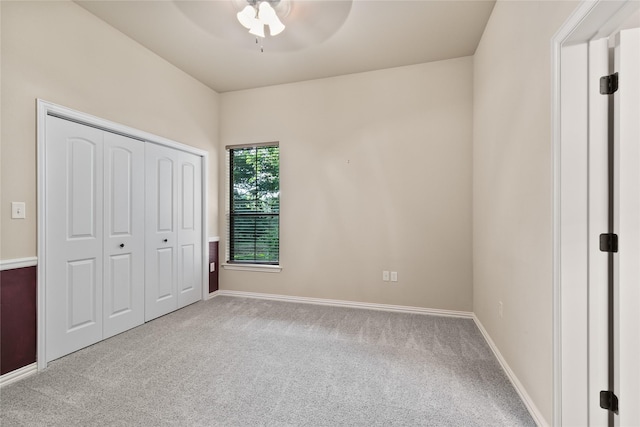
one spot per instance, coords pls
(247, 16)
(257, 29)
(257, 14)
(268, 15)
(276, 28)
(266, 12)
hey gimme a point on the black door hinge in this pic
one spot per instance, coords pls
(609, 401)
(609, 84)
(609, 242)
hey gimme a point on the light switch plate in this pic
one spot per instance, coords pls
(394, 276)
(212, 267)
(18, 210)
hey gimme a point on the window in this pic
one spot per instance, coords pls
(254, 208)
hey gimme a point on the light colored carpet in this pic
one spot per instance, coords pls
(245, 362)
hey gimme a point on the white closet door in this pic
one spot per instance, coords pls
(161, 260)
(189, 229)
(74, 204)
(123, 233)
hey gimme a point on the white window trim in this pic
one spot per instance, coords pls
(261, 268)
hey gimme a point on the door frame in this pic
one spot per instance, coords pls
(44, 109)
(591, 20)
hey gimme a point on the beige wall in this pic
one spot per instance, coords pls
(375, 175)
(59, 52)
(512, 188)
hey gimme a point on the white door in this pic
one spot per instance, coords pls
(161, 259)
(123, 233)
(74, 245)
(598, 199)
(189, 229)
(627, 226)
(173, 230)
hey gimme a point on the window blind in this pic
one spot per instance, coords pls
(254, 220)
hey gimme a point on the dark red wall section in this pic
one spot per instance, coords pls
(17, 318)
(213, 258)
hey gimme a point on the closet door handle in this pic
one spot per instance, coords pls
(122, 245)
(165, 240)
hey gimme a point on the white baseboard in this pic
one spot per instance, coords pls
(522, 392)
(9, 264)
(18, 374)
(212, 295)
(342, 303)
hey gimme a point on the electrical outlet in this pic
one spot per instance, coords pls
(18, 210)
(500, 311)
(394, 276)
(385, 276)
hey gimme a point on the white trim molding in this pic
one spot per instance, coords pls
(211, 295)
(18, 374)
(214, 239)
(10, 264)
(253, 267)
(48, 108)
(343, 303)
(520, 389)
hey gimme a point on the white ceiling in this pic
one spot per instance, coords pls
(323, 38)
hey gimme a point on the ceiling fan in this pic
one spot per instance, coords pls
(307, 22)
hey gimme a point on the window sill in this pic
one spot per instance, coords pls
(253, 267)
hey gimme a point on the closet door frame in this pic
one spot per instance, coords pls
(44, 109)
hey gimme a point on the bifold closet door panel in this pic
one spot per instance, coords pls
(123, 234)
(190, 279)
(74, 236)
(161, 219)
